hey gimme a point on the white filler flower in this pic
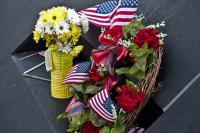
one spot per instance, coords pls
(73, 17)
(84, 23)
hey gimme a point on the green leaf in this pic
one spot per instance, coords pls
(62, 116)
(78, 88)
(131, 84)
(121, 118)
(90, 89)
(141, 52)
(75, 123)
(98, 122)
(134, 71)
(118, 129)
(132, 28)
(105, 130)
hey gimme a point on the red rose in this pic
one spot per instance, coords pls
(128, 99)
(153, 42)
(94, 75)
(147, 36)
(114, 35)
(88, 127)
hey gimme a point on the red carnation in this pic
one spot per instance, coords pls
(94, 75)
(113, 33)
(128, 99)
(147, 36)
(88, 127)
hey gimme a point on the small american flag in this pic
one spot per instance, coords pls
(112, 14)
(75, 107)
(104, 106)
(78, 73)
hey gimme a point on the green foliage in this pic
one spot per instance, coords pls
(130, 84)
(98, 122)
(132, 28)
(144, 59)
(105, 129)
(62, 116)
(75, 123)
(118, 129)
(121, 119)
(83, 91)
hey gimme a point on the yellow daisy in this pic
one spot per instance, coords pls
(65, 36)
(43, 17)
(36, 36)
(75, 34)
(76, 50)
(56, 14)
(53, 47)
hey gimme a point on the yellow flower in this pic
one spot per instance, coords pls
(75, 33)
(53, 47)
(56, 14)
(64, 37)
(36, 36)
(76, 50)
(49, 39)
(43, 17)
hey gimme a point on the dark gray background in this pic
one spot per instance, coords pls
(25, 109)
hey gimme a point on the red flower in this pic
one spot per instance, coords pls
(88, 127)
(94, 75)
(114, 36)
(128, 99)
(147, 36)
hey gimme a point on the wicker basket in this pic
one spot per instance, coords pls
(148, 85)
(62, 63)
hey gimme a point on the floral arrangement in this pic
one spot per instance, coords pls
(61, 28)
(113, 92)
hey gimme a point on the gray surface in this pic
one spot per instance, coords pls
(183, 116)
(24, 109)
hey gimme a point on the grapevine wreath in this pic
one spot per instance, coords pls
(111, 89)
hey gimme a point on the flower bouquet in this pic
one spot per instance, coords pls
(60, 28)
(117, 82)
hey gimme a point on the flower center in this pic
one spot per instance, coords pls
(54, 17)
(61, 27)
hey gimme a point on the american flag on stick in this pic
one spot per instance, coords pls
(104, 106)
(112, 14)
(78, 73)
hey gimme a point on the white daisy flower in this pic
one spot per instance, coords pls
(66, 49)
(63, 48)
(60, 46)
(84, 23)
(73, 16)
(40, 27)
(61, 27)
(49, 29)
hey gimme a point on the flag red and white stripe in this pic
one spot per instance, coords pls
(99, 19)
(102, 104)
(122, 14)
(78, 73)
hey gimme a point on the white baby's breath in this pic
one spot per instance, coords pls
(84, 23)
